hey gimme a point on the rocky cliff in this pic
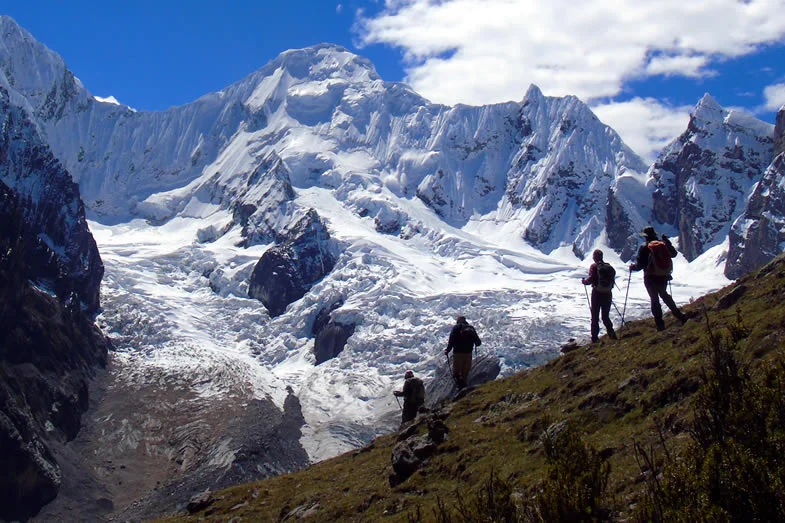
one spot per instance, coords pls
(757, 236)
(49, 349)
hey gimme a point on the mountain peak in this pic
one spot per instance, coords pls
(533, 94)
(325, 60)
(708, 104)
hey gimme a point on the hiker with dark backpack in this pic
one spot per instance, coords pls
(413, 394)
(602, 277)
(655, 260)
(463, 340)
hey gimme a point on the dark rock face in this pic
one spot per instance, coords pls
(622, 236)
(757, 235)
(286, 272)
(48, 351)
(331, 340)
(331, 336)
(485, 368)
(779, 133)
(60, 251)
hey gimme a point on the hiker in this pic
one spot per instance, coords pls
(413, 394)
(463, 340)
(601, 278)
(654, 258)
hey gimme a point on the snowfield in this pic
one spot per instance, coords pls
(177, 307)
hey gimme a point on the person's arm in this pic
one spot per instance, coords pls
(592, 275)
(671, 248)
(642, 260)
(407, 389)
(477, 340)
(450, 341)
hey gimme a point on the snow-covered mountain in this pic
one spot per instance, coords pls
(703, 178)
(321, 116)
(312, 231)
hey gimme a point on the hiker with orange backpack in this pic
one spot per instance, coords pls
(655, 259)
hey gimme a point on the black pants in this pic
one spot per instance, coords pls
(658, 289)
(409, 411)
(601, 303)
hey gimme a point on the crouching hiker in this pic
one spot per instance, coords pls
(463, 340)
(602, 277)
(413, 394)
(654, 258)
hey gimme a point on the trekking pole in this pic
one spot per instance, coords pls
(617, 309)
(624, 309)
(585, 290)
(398, 401)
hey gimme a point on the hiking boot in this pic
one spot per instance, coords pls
(595, 340)
(660, 325)
(612, 335)
(682, 318)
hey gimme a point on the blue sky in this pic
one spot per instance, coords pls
(642, 66)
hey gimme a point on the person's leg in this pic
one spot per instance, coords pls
(668, 300)
(462, 366)
(653, 289)
(595, 316)
(605, 308)
(409, 413)
(456, 368)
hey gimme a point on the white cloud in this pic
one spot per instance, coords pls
(339, 8)
(486, 51)
(645, 124)
(690, 66)
(774, 96)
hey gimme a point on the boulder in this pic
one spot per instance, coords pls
(287, 271)
(485, 368)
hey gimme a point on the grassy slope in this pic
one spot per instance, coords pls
(615, 393)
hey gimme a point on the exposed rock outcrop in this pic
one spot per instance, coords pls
(757, 236)
(485, 368)
(286, 271)
(61, 254)
(48, 351)
(412, 450)
(331, 336)
(779, 132)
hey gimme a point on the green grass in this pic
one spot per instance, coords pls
(639, 390)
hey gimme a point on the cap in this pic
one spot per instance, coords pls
(649, 233)
(409, 374)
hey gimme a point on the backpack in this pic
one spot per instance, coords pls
(418, 391)
(467, 336)
(660, 263)
(606, 277)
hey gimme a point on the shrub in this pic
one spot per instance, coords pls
(734, 466)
